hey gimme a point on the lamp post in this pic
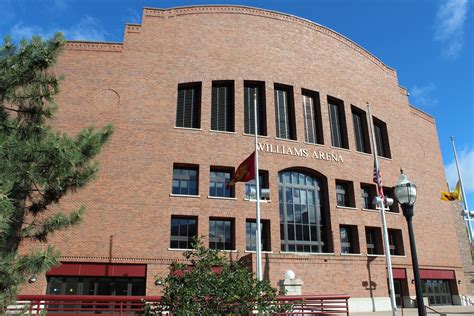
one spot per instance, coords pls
(405, 193)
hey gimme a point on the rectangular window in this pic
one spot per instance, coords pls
(252, 88)
(395, 241)
(221, 234)
(284, 112)
(345, 193)
(70, 285)
(313, 132)
(251, 235)
(222, 106)
(373, 237)
(381, 138)
(250, 186)
(183, 231)
(219, 179)
(368, 192)
(337, 119)
(185, 179)
(349, 239)
(188, 110)
(361, 132)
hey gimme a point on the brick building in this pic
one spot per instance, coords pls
(178, 90)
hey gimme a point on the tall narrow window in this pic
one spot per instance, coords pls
(361, 133)
(188, 110)
(313, 132)
(345, 193)
(349, 239)
(367, 192)
(221, 234)
(185, 180)
(252, 88)
(183, 230)
(251, 235)
(219, 179)
(373, 237)
(337, 119)
(381, 138)
(250, 186)
(395, 241)
(222, 108)
(301, 213)
(284, 112)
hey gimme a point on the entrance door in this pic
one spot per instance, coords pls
(397, 284)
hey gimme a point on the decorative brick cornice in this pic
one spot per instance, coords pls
(133, 28)
(421, 114)
(95, 46)
(100, 259)
(233, 9)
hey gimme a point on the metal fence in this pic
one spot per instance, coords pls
(85, 305)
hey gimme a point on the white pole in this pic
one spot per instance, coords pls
(384, 223)
(257, 189)
(464, 200)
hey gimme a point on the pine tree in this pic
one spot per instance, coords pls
(38, 165)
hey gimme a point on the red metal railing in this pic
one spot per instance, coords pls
(135, 305)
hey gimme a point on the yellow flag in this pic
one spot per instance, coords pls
(452, 196)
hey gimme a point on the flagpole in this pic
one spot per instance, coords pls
(464, 200)
(258, 242)
(384, 223)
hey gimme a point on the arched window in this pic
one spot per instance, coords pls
(300, 198)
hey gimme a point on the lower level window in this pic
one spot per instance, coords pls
(183, 231)
(251, 235)
(221, 234)
(349, 239)
(64, 285)
(373, 237)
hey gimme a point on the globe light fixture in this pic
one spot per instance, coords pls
(405, 194)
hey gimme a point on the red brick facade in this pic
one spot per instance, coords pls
(134, 86)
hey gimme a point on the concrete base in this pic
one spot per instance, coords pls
(291, 287)
(368, 304)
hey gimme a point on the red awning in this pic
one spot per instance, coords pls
(437, 274)
(399, 273)
(98, 269)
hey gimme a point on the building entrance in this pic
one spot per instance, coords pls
(437, 291)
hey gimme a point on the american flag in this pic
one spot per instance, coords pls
(378, 181)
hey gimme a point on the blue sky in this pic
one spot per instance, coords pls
(428, 42)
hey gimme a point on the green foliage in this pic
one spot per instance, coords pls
(38, 165)
(212, 284)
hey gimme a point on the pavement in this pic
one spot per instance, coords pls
(440, 310)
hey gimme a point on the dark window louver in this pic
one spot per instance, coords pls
(311, 112)
(188, 110)
(284, 115)
(338, 136)
(222, 108)
(359, 132)
(249, 119)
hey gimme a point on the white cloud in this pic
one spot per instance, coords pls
(449, 27)
(88, 29)
(19, 32)
(466, 165)
(422, 96)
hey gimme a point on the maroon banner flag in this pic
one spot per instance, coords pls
(246, 171)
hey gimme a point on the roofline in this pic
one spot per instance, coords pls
(275, 12)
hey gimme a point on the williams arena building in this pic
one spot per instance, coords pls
(179, 91)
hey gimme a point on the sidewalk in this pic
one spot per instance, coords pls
(446, 310)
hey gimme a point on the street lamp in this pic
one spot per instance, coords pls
(405, 194)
